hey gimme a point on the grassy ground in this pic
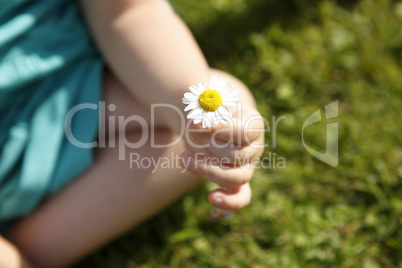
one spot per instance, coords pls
(296, 57)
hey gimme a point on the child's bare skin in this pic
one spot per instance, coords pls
(153, 58)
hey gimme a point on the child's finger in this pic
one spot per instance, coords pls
(240, 131)
(227, 152)
(235, 199)
(215, 171)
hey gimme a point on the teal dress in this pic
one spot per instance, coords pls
(48, 65)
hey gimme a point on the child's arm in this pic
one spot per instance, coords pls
(154, 55)
(150, 50)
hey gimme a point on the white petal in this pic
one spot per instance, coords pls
(197, 119)
(222, 83)
(230, 93)
(202, 86)
(205, 122)
(225, 87)
(223, 121)
(188, 100)
(208, 119)
(191, 106)
(221, 118)
(232, 99)
(216, 117)
(214, 82)
(195, 113)
(211, 120)
(225, 113)
(190, 95)
(197, 91)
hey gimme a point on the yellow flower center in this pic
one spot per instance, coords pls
(210, 100)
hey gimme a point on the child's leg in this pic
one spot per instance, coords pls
(10, 256)
(104, 202)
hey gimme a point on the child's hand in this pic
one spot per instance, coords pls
(228, 157)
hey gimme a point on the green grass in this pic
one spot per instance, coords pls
(296, 57)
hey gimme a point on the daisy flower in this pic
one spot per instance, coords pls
(207, 104)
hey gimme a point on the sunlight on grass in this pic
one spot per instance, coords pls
(296, 57)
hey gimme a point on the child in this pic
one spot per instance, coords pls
(57, 202)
